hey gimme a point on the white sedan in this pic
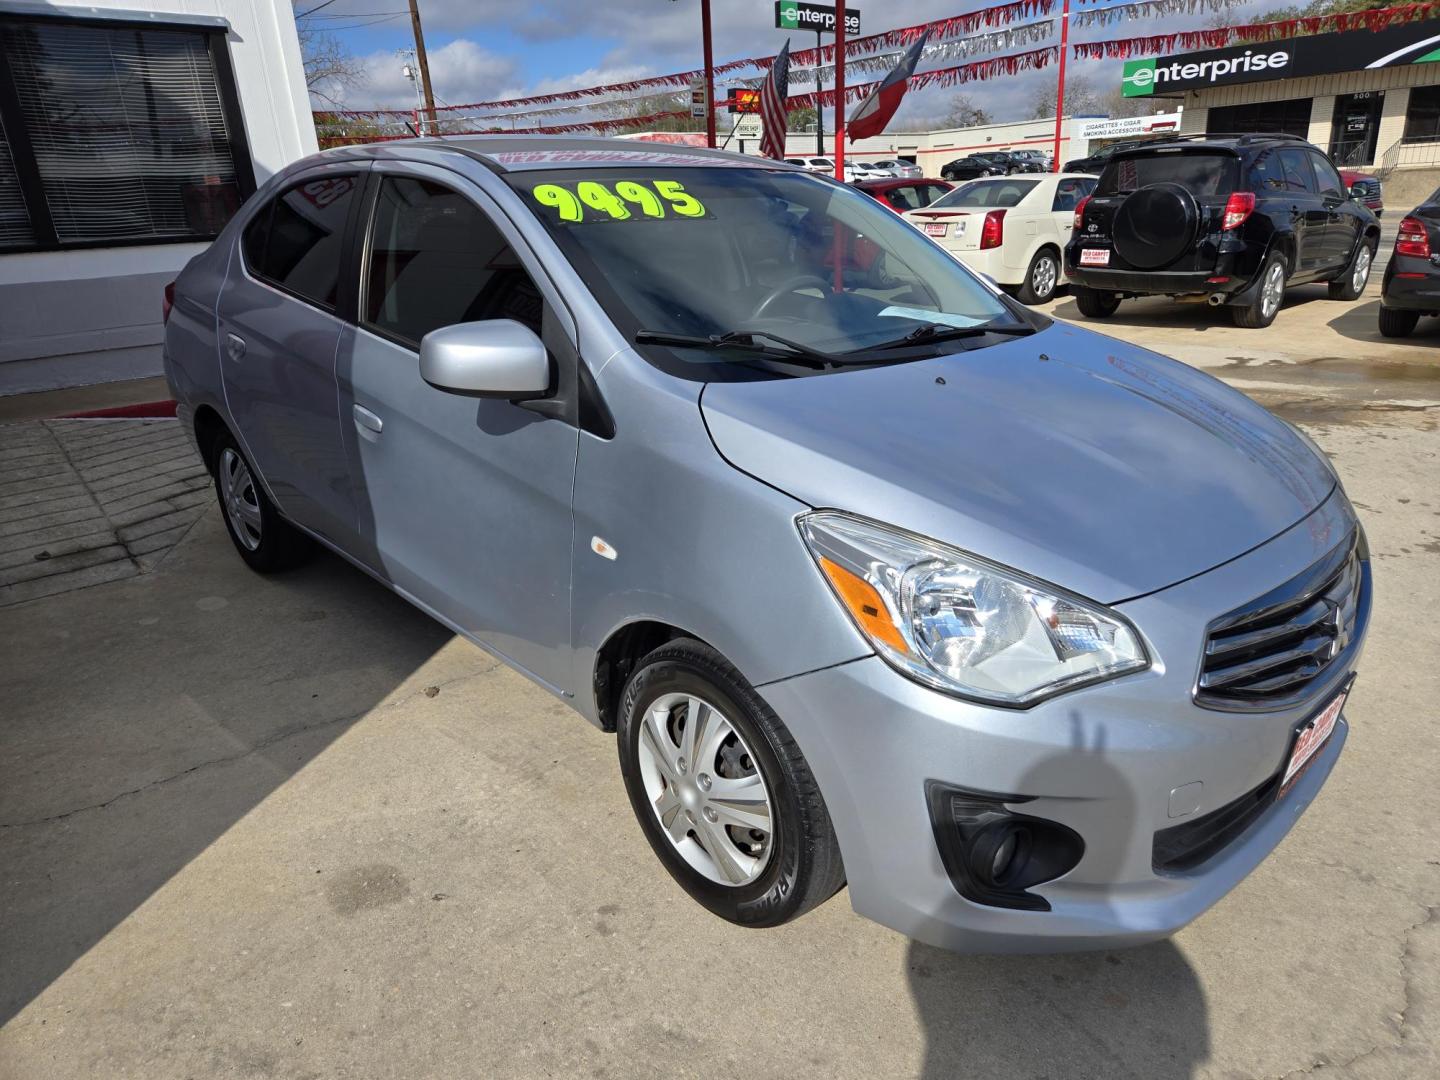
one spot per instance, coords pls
(1013, 228)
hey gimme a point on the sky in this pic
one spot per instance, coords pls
(485, 50)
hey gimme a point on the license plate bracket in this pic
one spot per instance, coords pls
(936, 228)
(1094, 256)
(1311, 736)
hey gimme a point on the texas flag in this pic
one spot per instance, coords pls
(882, 101)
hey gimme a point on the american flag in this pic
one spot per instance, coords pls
(772, 106)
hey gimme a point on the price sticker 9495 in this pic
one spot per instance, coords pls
(626, 200)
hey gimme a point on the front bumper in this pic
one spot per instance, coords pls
(1102, 761)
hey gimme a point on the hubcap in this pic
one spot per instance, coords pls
(705, 789)
(1043, 279)
(1362, 270)
(1273, 290)
(240, 499)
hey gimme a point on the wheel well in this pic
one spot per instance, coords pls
(208, 427)
(1372, 232)
(617, 658)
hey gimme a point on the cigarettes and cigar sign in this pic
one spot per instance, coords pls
(1322, 54)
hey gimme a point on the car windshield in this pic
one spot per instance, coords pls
(1006, 192)
(705, 251)
(1202, 173)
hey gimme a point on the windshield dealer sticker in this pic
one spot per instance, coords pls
(591, 201)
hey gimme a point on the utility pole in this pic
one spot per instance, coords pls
(709, 73)
(424, 63)
(1060, 85)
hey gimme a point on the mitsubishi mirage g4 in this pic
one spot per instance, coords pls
(1036, 640)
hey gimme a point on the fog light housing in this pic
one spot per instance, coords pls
(992, 854)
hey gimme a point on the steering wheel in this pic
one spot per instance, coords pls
(785, 288)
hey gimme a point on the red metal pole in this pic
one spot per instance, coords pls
(840, 99)
(710, 75)
(1060, 87)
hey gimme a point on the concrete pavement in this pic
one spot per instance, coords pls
(289, 827)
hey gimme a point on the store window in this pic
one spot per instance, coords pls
(1422, 116)
(116, 134)
(1291, 117)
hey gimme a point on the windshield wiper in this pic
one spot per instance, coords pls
(929, 332)
(745, 340)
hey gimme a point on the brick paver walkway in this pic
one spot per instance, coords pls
(88, 501)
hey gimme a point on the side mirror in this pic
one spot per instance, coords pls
(495, 358)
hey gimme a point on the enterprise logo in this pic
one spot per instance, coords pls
(1141, 77)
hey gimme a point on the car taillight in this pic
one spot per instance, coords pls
(1080, 212)
(992, 232)
(1413, 239)
(168, 303)
(1237, 208)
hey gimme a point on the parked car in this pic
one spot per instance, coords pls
(1012, 228)
(1040, 160)
(1411, 286)
(814, 164)
(1234, 219)
(901, 170)
(1365, 189)
(902, 195)
(1095, 163)
(856, 171)
(880, 170)
(879, 578)
(1013, 162)
(968, 168)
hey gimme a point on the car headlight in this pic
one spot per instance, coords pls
(964, 625)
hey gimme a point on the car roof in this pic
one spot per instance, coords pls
(1217, 142)
(519, 153)
(894, 182)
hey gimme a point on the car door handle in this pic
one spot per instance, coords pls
(235, 347)
(366, 419)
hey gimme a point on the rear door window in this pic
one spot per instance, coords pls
(294, 242)
(1202, 174)
(1069, 192)
(905, 198)
(1298, 176)
(435, 260)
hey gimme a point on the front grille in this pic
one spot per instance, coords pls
(1266, 654)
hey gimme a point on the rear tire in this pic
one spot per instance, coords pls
(1042, 278)
(1356, 275)
(1269, 297)
(265, 540)
(1397, 323)
(689, 775)
(1095, 303)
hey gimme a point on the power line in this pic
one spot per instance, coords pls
(314, 9)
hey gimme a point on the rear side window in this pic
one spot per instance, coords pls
(1068, 193)
(1007, 192)
(1201, 174)
(294, 242)
(905, 198)
(436, 260)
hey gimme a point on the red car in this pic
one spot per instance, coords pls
(902, 195)
(1364, 188)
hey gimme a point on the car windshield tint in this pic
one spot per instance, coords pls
(1007, 192)
(1201, 173)
(702, 251)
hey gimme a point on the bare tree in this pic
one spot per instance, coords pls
(330, 68)
(964, 113)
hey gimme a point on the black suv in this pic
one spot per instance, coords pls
(1231, 218)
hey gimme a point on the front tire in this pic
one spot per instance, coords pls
(265, 540)
(1261, 311)
(1042, 278)
(1397, 323)
(1356, 275)
(1095, 303)
(722, 791)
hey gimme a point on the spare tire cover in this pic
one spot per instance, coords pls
(1155, 225)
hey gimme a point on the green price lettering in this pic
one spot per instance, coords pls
(562, 199)
(657, 199)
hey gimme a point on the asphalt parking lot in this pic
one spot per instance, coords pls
(290, 827)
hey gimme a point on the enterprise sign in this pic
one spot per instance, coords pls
(1320, 54)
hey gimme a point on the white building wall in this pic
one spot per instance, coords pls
(77, 317)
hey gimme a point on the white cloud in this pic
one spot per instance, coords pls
(460, 71)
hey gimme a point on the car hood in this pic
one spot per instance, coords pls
(1095, 465)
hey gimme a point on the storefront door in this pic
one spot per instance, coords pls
(1355, 128)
